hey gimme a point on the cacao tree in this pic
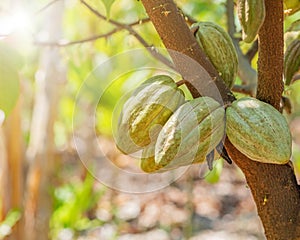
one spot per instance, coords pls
(274, 187)
(271, 177)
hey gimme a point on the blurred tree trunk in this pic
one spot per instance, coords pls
(14, 146)
(40, 154)
(12, 161)
(4, 200)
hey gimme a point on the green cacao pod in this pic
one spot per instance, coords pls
(148, 164)
(190, 134)
(219, 48)
(251, 14)
(291, 60)
(143, 114)
(258, 131)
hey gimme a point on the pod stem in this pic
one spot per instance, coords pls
(181, 82)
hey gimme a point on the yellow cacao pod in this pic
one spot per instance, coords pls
(219, 48)
(291, 60)
(147, 162)
(251, 14)
(143, 114)
(258, 131)
(190, 134)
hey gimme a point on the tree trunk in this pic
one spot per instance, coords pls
(188, 58)
(274, 187)
(40, 153)
(270, 55)
(4, 197)
(14, 145)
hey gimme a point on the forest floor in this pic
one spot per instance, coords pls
(189, 208)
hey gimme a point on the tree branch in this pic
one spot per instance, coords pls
(245, 89)
(46, 6)
(152, 50)
(230, 18)
(252, 51)
(190, 61)
(270, 56)
(64, 43)
(246, 73)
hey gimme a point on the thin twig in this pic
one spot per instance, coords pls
(64, 43)
(151, 49)
(286, 105)
(181, 82)
(245, 71)
(230, 18)
(46, 6)
(245, 89)
(252, 51)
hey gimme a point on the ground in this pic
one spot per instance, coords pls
(189, 208)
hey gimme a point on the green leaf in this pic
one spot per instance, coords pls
(108, 4)
(11, 219)
(214, 175)
(9, 87)
(10, 56)
(294, 27)
(10, 63)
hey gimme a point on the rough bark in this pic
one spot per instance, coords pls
(188, 58)
(274, 187)
(285, 191)
(275, 192)
(270, 55)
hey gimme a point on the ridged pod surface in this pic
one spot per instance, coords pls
(258, 131)
(191, 133)
(251, 14)
(143, 114)
(147, 162)
(218, 46)
(291, 60)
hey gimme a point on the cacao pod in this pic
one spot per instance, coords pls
(143, 114)
(251, 14)
(258, 131)
(190, 134)
(291, 60)
(147, 163)
(219, 48)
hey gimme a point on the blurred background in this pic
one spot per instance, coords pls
(66, 68)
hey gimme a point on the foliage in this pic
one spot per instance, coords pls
(11, 219)
(214, 175)
(72, 202)
(98, 68)
(10, 63)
